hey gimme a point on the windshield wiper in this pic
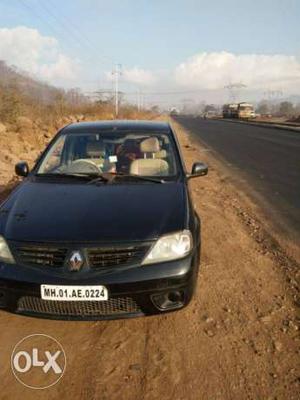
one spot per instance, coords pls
(104, 177)
(110, 176)
(88, 177)
(139, 177)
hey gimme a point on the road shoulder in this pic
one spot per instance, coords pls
(238, 339)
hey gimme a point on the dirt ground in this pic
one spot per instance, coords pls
(238, 339)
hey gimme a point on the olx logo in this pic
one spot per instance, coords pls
(33, 361)
(38, 361)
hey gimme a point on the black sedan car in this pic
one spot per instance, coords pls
(102, 227)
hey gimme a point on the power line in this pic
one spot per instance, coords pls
(168, 92)
(33, 11)
(74, 31)
(53, 28)
(56, 30)
(179, 92)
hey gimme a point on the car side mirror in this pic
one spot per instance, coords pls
(22, 168)
(198, 169)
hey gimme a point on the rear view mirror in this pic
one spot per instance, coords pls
(198, 169)
(22, 168)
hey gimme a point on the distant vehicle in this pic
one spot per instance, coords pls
(245, 111)
(239, 110)
(230, 110)
(211, 114)
(174, 111)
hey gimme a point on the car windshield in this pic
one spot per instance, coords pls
(131, 153)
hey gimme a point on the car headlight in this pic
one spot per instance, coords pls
(5, 254)
(170, 247)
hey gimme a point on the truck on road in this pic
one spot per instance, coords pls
(245, 111)
(230, 110)
(238, 110)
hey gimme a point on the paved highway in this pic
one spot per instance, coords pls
(268, 159)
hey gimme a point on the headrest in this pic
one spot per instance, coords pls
(150, 145)
(161, 154)
(149, 167)
(95, 149)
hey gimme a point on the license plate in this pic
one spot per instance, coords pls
(74, 293)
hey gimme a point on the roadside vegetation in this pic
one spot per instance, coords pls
(284, 109)
(32, 111)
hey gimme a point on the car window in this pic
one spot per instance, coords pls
(52, 159)
(129, 153)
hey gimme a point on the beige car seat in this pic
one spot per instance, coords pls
(93, 162)
(95, 152)
(150, 165)
(161, 154)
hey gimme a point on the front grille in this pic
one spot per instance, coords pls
(102, 257)
(41, 255)
(111, 307)
(96, 256)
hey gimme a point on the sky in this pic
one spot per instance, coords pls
(169, 51)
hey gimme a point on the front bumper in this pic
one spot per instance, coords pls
(133, 291)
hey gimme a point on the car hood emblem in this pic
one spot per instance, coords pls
(75, 261)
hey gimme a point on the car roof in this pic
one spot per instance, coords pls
(118, 125)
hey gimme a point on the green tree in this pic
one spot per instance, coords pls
(209, 107)
(155, 109)
(263, 108)
(286, 108)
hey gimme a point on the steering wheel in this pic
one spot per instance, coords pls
(84, 167)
